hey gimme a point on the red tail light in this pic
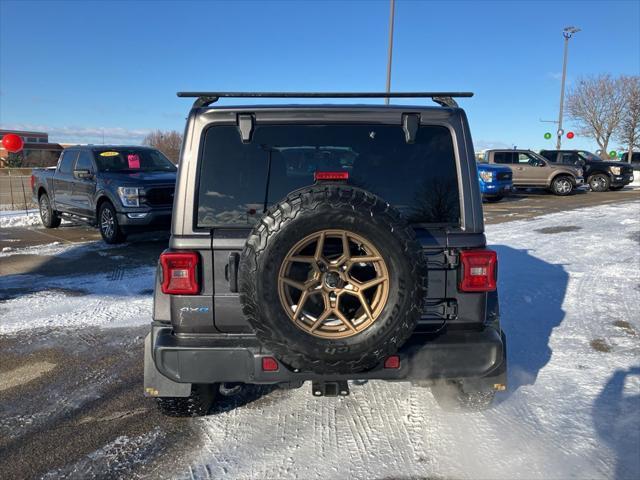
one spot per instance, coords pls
(269, 364)
(479, 268)
(392, 362)
(330, 176)
(180, 273)
(33, 181)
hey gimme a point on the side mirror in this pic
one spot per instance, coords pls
(83, 174)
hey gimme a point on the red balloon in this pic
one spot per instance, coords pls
(12, 143)
(570, 135)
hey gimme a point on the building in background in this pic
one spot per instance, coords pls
(37, 152)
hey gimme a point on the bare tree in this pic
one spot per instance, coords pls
(167, 142)
(597, 105)
(629, 131)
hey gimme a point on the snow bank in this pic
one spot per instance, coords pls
(68, 251)
(23, 218)
(19, 218)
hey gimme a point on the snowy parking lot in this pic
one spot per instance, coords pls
(569, 283)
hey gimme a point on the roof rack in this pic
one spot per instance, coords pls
(445, 99)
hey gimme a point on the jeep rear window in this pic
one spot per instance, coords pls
(236, 184)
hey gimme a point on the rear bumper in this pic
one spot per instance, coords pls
(156, 219)
(238, 358)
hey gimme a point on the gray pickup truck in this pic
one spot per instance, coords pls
(120, 189)
(322, 244)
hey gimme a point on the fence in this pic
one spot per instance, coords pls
(15, 189)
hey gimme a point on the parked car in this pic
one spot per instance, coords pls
(496, 181)
(120, 189)
(533, 171)
(601, 175)
(362, 257)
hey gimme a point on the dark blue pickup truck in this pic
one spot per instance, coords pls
(120, 189)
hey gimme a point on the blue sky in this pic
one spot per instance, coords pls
(76, 69)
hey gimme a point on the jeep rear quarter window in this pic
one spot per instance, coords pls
(238, 181)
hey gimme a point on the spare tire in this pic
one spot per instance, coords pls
(332, 279)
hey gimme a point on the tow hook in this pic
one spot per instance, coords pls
(330, 389)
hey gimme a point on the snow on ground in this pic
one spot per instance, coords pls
(23, 218)
(115, 299)
(120, 455)
(118, 297)
(48, 249)
(68, 251)
(570, 296)
(572, 410)
(19, 218)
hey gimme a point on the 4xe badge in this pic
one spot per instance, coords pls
(195, 309)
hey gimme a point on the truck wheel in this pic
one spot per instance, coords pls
(451, 396)
(108, 224)
(332, 279)
(49, 218)
(562, 185)
(198, 404)
(599, 182)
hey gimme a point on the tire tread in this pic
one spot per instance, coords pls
(336, 197)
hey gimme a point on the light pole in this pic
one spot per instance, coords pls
(390, 53)
(567, 34)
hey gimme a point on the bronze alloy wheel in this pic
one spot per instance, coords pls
(333, 284)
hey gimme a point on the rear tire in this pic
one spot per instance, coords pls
(451, 397)
(49, 217)
(562, 185)
(599, 182)
(198, 404)
(108, 224)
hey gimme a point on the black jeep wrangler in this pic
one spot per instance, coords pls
(325, 243)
